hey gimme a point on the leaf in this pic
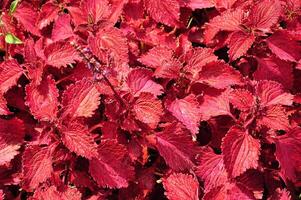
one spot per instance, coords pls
(37, 166)
(27, 16)
(175, 145)
(140, 80)
(3, 108)
(219, 75)
(13, 6)
(51, 193)
(11, 138)
(48, 14)
(199, 58)
(274, 117)
(60, 54)
(284, 46)
(240, 151)
(12, 39)
(239, 44)
(112, 168)
(162, 59)
(272, 93)
(180, 186)
(77, 139)
(265, 14)
(186, 110)
(215, 105)
(10, 72)
(80, 99)
(62, 28)
(228, 21)
(148, 109)
(109, 43)
(288, 154)
(229, 191)
(242, 99)
(166, 12)
(211, 170)
(42, 99)
(281, 195)
(275, 70)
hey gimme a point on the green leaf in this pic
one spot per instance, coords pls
(13, 6)
(12, 39)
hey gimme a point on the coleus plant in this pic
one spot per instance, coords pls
(150, 99)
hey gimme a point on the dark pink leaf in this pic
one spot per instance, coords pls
(240, 150)
(11, 138)
(265, 14)
(272, 93)
(239, 43)
(288, 153)
(166, 12)
(285, 47)
(62, 28)
(180, 186)
(37, 166)
(274, 117)
(60, 54)
(162, 59)
(186, 110)
(80, 99)
(47, 14)
(3, 107)
(219, 75)
(148, 109)
(10, 72)
(140, 80)
(42, 99)
(112, 168)
(211, 170)
(242, 99)
(77, 138)
(175, 145)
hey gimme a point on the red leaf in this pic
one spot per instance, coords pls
(242, 99)
(281, 195)
(112, 168)
(239, 43)
(272, 93)
(275, 70)
(288, 153)
(80, 99)
(42, 99)
(140, 80)
(162, 59)
(61, 54)
(10, 72)
(47, 14)
(148, 109)
(77, 138)
(166, 12)
(211, 170)
(51, 193)
(265, 14)
(199, 58)
(274, 117)
(219, 75)
(37, 166)
(27, 16)
(229, 191)
(62, 28)
(11, 139)
(96, 10)
(176, 147)
(240, 150)
(285, 47)
(3, 108)
(109, 43)
(215, 105)
(228, 21)
(180, 186)
(198, 4)
(186, 110)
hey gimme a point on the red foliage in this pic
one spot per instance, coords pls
(150, 99)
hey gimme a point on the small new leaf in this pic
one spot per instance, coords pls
(12, 39)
